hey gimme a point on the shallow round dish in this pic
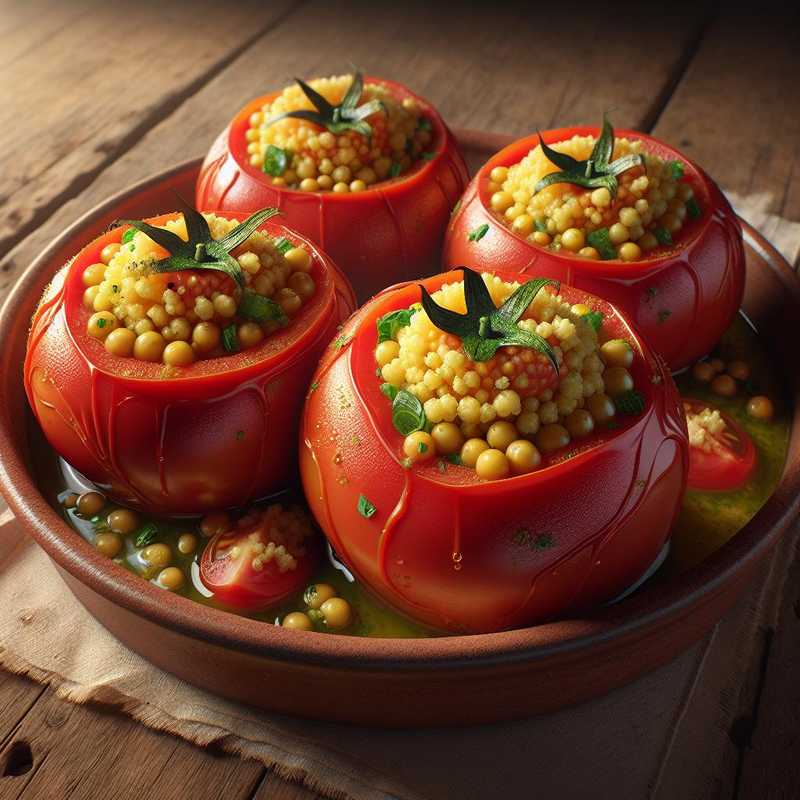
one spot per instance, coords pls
(449, 680)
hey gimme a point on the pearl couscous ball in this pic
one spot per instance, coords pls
(177, 318)
(300, 154)
(652, 204)
(499, 416)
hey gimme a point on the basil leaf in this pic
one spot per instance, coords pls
(146, 534)
(601, 241)
(283, 245)
(663, 236)
(389, 324)
(594, 318)
(128, 235)
(276, 160)
(630, 403)
(408, 414)
(389, 390)
(693, 208)
(395, 169)
(256, 307)
(478, 234)
(230, 341)
(675, 169)
(365, 508)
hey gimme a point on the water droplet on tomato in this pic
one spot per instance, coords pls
(337, 459)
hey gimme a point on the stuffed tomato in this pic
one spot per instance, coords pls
(168, 360)
(485, 455)
(631, 220)
(364, 168)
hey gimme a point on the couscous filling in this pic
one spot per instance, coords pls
(623, 215)
(179, 317)
(337, 134)
(500, 414)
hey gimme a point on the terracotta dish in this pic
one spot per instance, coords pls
(437, 681)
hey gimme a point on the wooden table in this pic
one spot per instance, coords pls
(97, 95)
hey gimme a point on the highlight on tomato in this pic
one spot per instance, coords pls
(486, 455)
(361, 166)
(261, 559)
(722, 455)
(625, 217)
(167, 361)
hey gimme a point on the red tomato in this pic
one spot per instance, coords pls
(467, 555)
(218, 434)
(696, 285)
(388, 233)
(234, 567)
(729, 460)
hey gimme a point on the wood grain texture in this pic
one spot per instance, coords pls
(730, 113)
(471, 74)
(86, 85)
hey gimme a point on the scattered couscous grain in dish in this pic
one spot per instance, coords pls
(499, 414)
(338, 134)
(633, 204)
(177, 317)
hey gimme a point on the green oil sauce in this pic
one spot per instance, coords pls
(707, 519)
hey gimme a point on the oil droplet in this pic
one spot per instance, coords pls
(456, 567)
(337, 459)
(457, 557)
(342, 480)
(400, 562)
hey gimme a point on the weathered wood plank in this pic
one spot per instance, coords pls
(484, 73)
(85, 752)
(732, 111)
(274, 788)
(90, 86)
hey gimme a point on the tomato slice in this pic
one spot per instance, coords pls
(267, 556)
(721, 453)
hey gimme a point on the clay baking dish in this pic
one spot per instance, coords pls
(392, 682)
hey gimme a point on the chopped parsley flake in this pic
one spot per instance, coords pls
(479, 232)
(365, 507)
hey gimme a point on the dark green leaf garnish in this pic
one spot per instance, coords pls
(283, 245)
(595, 172)
(101, 323)
(408, 414)
(427, 156)
(485, 328)
(395, 169)
(663, 236)
(276, 160)
(128, 235)
(422, 448)
(365, 508)
(256, 307)
(601, 241)
(453, 458)
(693, 208)
(146, 534)
(456, 208)
(389, 324)
(202, 251)
(424, 124)
(594, 318)
(389, 390)
(540, 225)
(675, 169)
(630, 403)
(230, 341)
(478, 234)
(347, 116)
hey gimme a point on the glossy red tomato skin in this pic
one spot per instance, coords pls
(712, 473)
(680, 301)
(380, 236)
(465, 555)
(219, 433)
(246, 590)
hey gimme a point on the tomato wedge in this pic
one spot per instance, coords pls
(721, 453)
(268, 555)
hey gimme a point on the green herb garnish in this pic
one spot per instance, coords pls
(424, 124)
(202, 251)
(456, 208)
(128, 235)
(422, 448)
(389, 324)
(596, 172)
(276, 160)
(230, 341)
(365, 508)
(693, 208)
(146, 534)
(663, 236)
(101, 323)
(594, 318)
(395, 169)
(478, 234)
(540, 225)
(314, 386)
(408, 415)
(601, 241)
(675, 169)
(485, 328)
(283, 245)
(630, 403)
(389, 390)
(239, 436)
(347, 116)
(256, 307)
(453, 458)
(427, 156)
